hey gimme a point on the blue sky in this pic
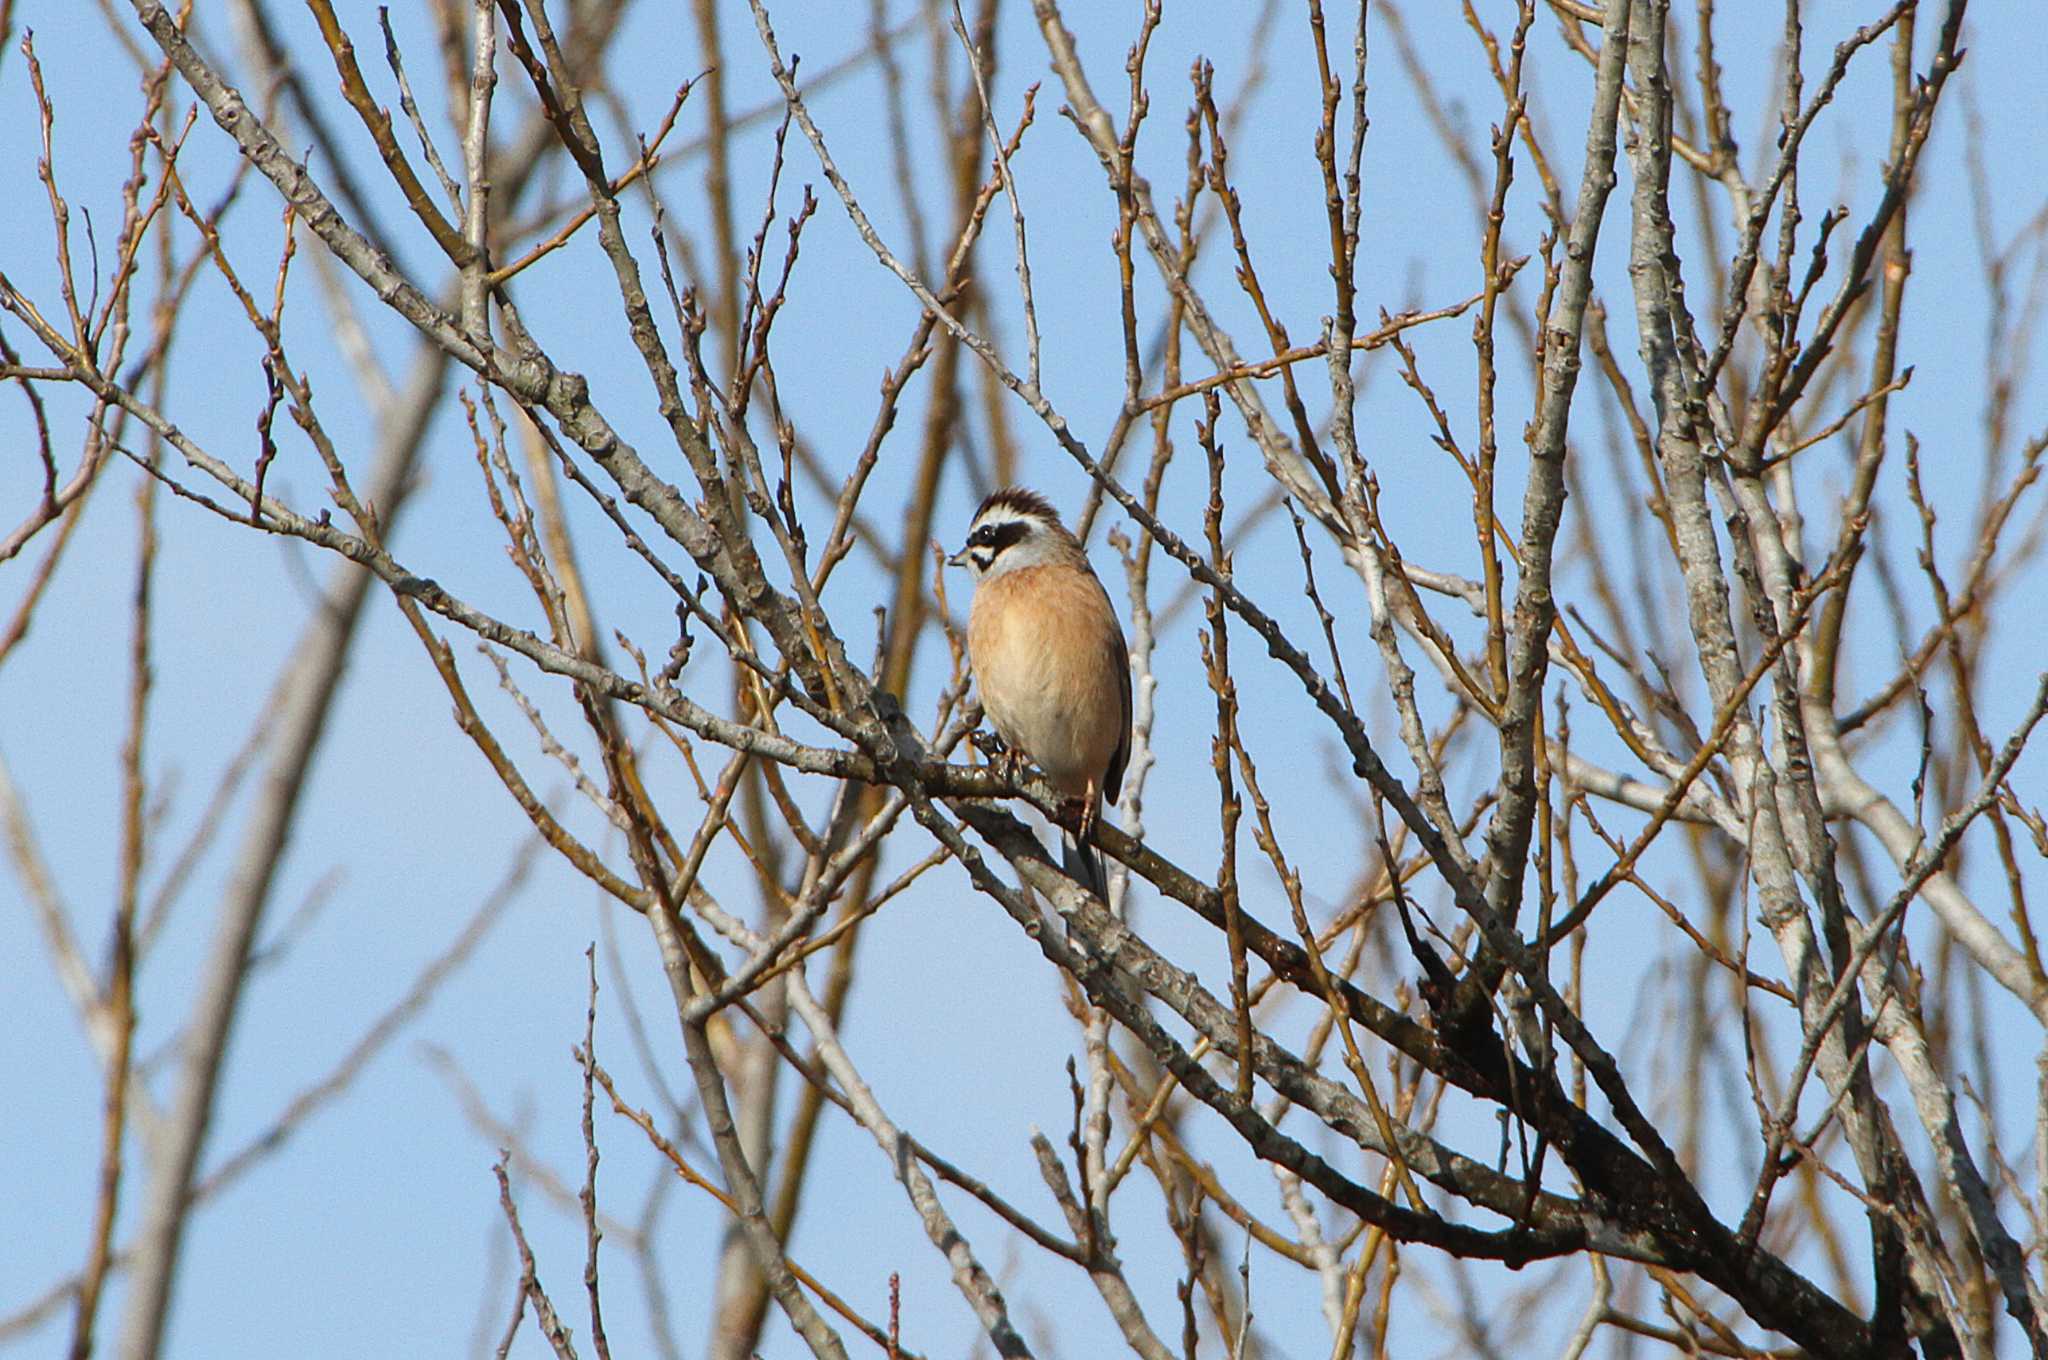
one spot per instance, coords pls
(378, 1219)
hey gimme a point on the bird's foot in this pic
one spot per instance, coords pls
(1004, 758)
(1086, 815)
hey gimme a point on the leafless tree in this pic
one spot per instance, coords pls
(1741, 663)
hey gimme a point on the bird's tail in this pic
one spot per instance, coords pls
(1084, 865)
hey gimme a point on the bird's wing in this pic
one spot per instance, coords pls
(1113, 778)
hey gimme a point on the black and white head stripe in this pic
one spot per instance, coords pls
(1015, 503)
(991, 537)
(1008, 518)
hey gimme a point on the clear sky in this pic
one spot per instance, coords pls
(376, 1224)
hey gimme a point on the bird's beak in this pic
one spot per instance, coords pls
(958, 559)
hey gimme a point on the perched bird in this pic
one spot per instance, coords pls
(1049, 654)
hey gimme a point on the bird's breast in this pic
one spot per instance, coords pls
(1043, 641)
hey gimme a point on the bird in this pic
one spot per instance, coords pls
(1050, 657)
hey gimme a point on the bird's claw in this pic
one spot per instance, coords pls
(1001, 756)
(1090, 812)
